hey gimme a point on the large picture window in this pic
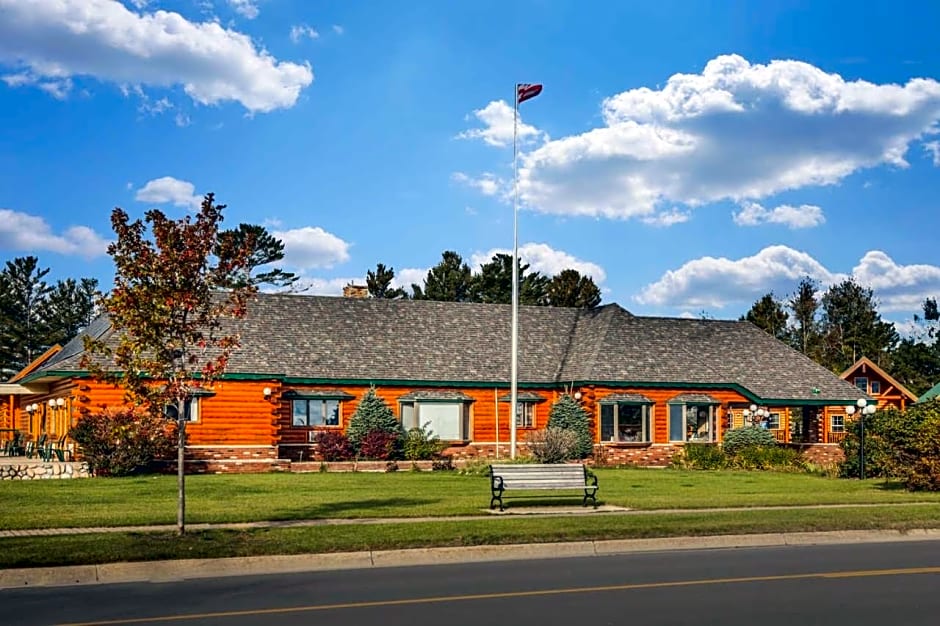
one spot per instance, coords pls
(692, 419)
(315, 412)
(448, 420)
(627, 422)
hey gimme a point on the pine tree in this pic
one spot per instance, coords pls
(768, 315)
(379, 283)
(493, 284)
(69, 308)
(372, 414)
(804, 306)
(853, 328)
(569, 288)
(448, 281)
(23, 331)
(567, 414)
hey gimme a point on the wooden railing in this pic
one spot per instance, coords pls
(835, 437)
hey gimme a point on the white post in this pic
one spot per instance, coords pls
(514, 368)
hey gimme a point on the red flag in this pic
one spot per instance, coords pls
(527, 91)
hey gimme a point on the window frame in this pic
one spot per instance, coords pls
(832, 423)
(874, 387)
(770, 421)
(861, 379)
(324, 411)
(464, 417)
(527, 414)
(710, 420)
(645, 435)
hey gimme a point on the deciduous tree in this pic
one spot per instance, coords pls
(175, 292)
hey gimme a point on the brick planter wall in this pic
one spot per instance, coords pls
(822, 454)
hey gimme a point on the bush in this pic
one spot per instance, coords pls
(704, 456)
(421, 444)
(567, 414)
(379, 445)
(125, 441)
(371, 415)
(768, 457)
(553, 445)
(334, 446)
(737, 439)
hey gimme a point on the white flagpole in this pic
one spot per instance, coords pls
(514, 368)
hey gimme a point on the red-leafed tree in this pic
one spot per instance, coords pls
(176, 293)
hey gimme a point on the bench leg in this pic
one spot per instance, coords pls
(497, 497)
(589, 494)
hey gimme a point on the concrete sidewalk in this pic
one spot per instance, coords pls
(179, 570)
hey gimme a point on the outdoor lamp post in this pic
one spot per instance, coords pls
(863, 409)
(754, 415)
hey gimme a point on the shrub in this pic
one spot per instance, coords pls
(737, 439)
(371, 415)
(553, 445)
(124, 441)
(421, 444)
(704, 456)
(334, 446)
(768, 457)
(379, 445)
(567, 414)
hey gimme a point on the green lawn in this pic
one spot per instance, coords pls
(104, 548)
(251, 497)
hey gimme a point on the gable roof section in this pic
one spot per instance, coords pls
(871, 365)
(320, 339)
(35, 364)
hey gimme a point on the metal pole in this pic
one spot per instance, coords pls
(861, 446)
(514, 367)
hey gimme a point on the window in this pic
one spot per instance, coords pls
(192, 410)
(773, 421)
(525, 414)
(837, 423)
(447, 420)
(691, 422)
(625, 422)
(862, 383)
(875, 387)
(308, 412)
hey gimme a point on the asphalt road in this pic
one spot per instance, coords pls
(857, 585)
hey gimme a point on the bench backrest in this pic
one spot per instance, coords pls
(540, 476)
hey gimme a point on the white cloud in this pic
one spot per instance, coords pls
(169, 190)
(248, 9)
(497, 119)
(52, 41)
(933, 149)
(409, 276)
(181, 119)
(312, 247)
(737, 131)
(300, 31)
(803, 216)
(31, 233)
(487, 184)
(897, 287)
(668, 218)
(339, 30)
(314, 286)
(58, 88)
(543, 258)
(716, 282)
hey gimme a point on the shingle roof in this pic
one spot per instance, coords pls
(445, 343)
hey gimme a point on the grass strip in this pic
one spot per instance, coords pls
(115, 547)
(151, 500)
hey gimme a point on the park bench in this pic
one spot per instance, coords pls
(537, 477)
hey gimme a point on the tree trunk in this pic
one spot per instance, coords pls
(181, 468)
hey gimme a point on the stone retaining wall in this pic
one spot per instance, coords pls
(41, 471)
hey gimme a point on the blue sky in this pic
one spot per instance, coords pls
(690, 156)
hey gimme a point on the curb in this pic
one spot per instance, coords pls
(186, 569)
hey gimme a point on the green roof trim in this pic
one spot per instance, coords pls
(933, 392)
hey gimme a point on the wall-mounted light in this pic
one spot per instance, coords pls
(51, 403)
(577, 395)
(267, 393)
(60, 402)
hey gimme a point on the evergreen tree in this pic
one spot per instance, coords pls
(916, 365)
(448, 281)
(379, 283)
(372, 414)
(568, 414)
(265, 249)
(852, 327)
(804, 306)
(69, 308)
(493, 284)
(569, 288)
(768, 315)
(24, 334)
